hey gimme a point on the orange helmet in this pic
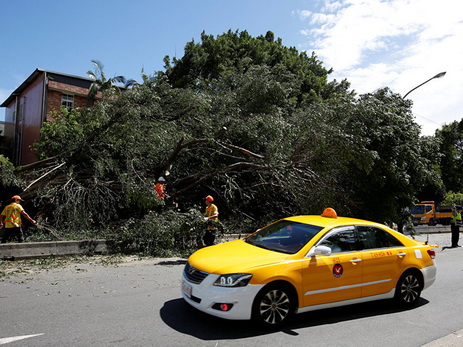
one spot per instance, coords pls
(209, 198)
(16, 197)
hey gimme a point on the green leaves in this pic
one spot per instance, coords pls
(64, 133)
(101, 84)
(451, 159)
(9, 178)
(233, 52)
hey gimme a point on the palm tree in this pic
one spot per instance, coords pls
(149, 81)
(100, 83)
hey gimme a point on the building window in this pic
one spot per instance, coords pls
(67, 101)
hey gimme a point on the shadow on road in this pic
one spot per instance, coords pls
(183, 318)
(172, 262)
(449, 247)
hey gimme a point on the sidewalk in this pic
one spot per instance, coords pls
(452, 340)
(30, 250)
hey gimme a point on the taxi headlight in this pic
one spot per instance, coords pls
(423, 218)
(233, 280)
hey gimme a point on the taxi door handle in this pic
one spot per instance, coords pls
(401, 255)
(355, 261)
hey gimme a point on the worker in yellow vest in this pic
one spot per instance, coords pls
(10, 218)
(455, 222)
(211, 214)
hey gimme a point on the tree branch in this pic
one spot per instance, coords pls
(204, 177)
(46, 174)
(241, 149)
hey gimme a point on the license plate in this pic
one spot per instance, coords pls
(187, 289)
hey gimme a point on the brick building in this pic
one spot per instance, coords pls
(29, 106)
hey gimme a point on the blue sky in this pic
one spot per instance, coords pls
(372, 43)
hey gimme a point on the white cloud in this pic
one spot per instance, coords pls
(303, 14)
(398, 44)
(332, 5)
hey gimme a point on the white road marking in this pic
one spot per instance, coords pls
(4, 341)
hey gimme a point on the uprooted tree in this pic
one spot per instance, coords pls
(245, 119)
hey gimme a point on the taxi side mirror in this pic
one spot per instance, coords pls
(319, 250)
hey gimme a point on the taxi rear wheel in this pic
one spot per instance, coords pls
(274, 305)
(408, 289)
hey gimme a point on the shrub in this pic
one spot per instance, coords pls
(162, 235)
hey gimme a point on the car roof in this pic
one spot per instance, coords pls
(330, 222)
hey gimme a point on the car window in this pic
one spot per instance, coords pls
(372, 237)
(341, 239)
(284, 236)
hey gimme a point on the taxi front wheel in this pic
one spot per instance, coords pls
(274, 305)
(408, 289)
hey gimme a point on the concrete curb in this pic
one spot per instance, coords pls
(452, 340)
(30, 250)
(26, 250)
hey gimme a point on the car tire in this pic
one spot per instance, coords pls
(274, 305)
(408, 289)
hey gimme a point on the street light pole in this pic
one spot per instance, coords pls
(439, 75)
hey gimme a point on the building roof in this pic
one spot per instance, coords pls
(65, 78)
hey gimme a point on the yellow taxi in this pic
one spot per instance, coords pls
(305, 263)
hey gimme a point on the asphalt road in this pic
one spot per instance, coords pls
(138, 303)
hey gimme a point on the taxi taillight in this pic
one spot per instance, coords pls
(431, 253)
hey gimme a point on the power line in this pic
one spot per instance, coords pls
(429, 120)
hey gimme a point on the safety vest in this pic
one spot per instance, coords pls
(160, 189)
(210, 211)
(12, 214)
(456, 218)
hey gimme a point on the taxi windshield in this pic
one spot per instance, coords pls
(284, 236)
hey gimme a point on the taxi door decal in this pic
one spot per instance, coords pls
(337, 270)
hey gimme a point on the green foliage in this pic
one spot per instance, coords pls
(434, 189)
(107, 86)
(105, 162)
(452, 198)
(392, 167)
(234, 53)
(162, 235)
(451, 155)
(9, 178)
(265, 160)
(65, 132)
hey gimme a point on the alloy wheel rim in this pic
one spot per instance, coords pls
(274, 307)
(410, 288)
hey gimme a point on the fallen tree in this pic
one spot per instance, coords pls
(248, 136)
